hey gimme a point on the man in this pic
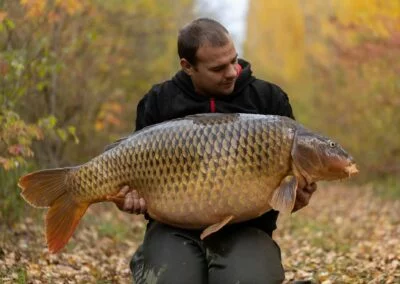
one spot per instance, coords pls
(212, 79)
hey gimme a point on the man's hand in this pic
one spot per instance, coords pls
(303, 196)
(128, 200)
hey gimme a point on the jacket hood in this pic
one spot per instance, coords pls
(184, 82)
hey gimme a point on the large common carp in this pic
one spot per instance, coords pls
(202, 171)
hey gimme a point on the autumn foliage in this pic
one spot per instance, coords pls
(339, 63)
(81, 66)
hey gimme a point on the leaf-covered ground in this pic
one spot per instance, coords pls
(346, 235)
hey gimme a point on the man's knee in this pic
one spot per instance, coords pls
(171, 271)
(169, 255)
(245, 256)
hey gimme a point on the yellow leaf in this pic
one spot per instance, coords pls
(35, 8)
(70, 6)
(99, 125)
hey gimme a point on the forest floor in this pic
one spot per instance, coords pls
(346, 235)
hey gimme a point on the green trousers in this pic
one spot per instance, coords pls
(235, 254)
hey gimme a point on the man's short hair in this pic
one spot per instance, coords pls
(197, 33)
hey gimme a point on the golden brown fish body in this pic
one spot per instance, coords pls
(193, 171)
(202, 171)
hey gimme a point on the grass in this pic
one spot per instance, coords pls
(22, 276)
(18, 274)
(321, 233)
(12, 206)
(116, 231)
(111, 225)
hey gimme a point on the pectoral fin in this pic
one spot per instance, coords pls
(284, 197)
(215, 227)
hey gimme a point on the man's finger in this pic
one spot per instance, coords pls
(136, 205)
(124, 190)
(143, 207)
(311, 188)
(302, 197)
(129, 202)
(298, 205)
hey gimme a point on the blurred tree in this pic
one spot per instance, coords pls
(79, 67)
(344, 81)
(275, 37)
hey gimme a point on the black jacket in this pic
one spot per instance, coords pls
(177, 98)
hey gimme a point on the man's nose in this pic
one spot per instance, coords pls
(232, 72)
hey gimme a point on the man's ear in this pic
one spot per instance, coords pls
(186, 66)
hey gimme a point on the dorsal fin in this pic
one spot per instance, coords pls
(115, 144)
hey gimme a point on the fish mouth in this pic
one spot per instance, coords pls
(351, 169)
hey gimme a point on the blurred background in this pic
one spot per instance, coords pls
(72, 72)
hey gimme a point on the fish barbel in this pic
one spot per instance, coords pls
(199, 172)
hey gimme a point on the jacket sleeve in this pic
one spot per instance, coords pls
(282, 105)
(147, 111)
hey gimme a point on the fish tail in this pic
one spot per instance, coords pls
(51, 188)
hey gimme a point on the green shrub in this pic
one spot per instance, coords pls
(12, 206)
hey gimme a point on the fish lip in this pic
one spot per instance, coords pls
(351, 169)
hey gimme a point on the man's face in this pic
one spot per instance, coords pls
(215, 72)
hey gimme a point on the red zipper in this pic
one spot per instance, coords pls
(212, 105)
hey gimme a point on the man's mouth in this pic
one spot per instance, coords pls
(228, 84)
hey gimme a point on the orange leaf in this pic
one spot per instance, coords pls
(54, 17)
(3, 66)
(3, 15)
(112, 119)
(116, 107)
(99, 125)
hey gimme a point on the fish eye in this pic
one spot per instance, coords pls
(332, 144)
